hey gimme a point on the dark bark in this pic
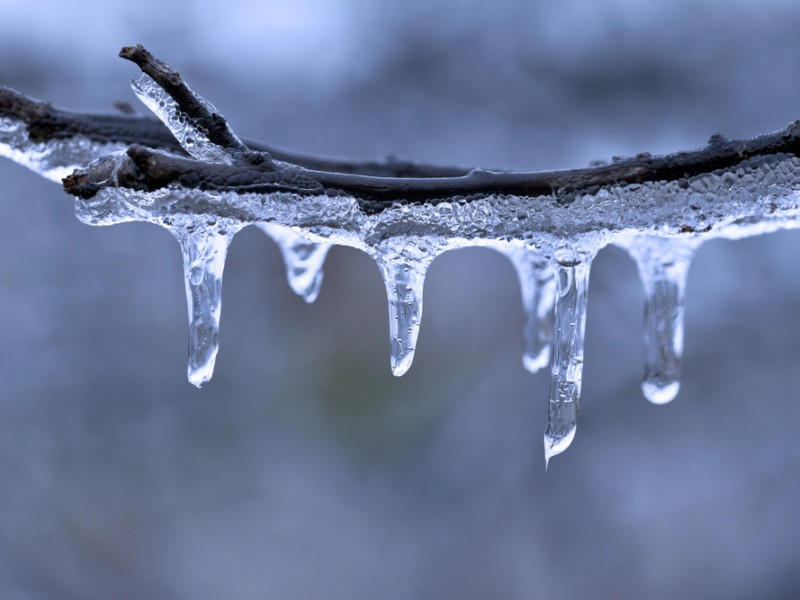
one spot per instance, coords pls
(46, 123)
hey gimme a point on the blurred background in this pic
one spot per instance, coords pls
(304, 469)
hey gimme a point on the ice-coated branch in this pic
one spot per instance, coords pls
(259, 176)
(204, 184)
(202, 115)
(551, 224)
(38, 123)
(44, 123)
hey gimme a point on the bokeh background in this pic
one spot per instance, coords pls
(304, 469)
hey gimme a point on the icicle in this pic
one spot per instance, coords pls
(572, 281)
(404, 276)
(537, 286)
(303, 259)
(204, 249)
(404, 284)
(663, 266)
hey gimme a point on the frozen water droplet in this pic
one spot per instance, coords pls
(572, 283)
(204, 251)
(403, 264)
(193, 139)
(537, 287)
(303, 259)
(663, 266)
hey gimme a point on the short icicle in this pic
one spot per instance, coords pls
(572, 281)
(303, 258)
(404, 276)
(663, 266)
(537, 287)
(204, 249)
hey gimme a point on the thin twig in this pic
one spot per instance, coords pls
(45, 123)
(215, 126)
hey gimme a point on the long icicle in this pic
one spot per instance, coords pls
(204, 250)
(537, 288)
(663, 267)
(572, 282)
(303, 259)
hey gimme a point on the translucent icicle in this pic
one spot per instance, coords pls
(404, 276)
(537, 287)
(303, 259)
(204, 250)
(572, 281)
(663, 266)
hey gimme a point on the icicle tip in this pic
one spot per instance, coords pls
(401, 364)
(535, 363)
(660, 394)
(554, 446)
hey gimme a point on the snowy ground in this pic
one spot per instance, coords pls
(304, 468)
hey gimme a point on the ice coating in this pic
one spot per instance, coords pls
(572, 281)
(403, 264)
(190, 137)
(663, 266)
(537, 287)
(204, 249)
(303, 258)
(54, 159)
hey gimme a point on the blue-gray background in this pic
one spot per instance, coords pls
(304, 469)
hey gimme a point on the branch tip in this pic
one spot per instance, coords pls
(198, 110)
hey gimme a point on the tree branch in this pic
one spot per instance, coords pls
(44, 123)
(151, 170)
(250, 175)
(202, 114)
